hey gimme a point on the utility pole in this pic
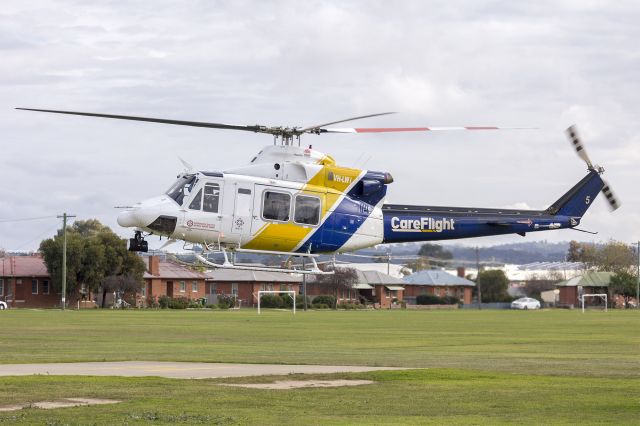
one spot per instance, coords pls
(388, 262)
(64, 258)
(478, 278)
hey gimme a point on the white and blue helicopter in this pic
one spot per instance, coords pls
(296, 201)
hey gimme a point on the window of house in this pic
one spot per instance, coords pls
(196, 203)
(211, 198)
(234, 289)
(423, 290)
(212, 288)
(143, 291)
(1, 287)
(276, 206)
(307, 210)
(183, 287)
(194, 287)
(387, 293)
(34, 286)
(283, 287)
(45, 287)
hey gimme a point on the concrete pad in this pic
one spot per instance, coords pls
(175, 370)
(60, 403)
(297, 384)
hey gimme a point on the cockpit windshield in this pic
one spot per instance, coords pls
(182, 187)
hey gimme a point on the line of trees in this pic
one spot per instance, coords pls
(97, 260)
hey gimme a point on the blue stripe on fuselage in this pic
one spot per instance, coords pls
(343, 221)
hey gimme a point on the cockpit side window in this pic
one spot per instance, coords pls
(183, 185)
(307, 210)
(211, 199)
(276, 206)
(196, 203)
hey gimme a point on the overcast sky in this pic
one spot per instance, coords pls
(542, 64)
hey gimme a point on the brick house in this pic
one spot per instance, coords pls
(374, 286)
(439, 283)
(25, 283)
(589, 283)
(165, 278)
(244, 284)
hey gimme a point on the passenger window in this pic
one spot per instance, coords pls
(276, 206)
(307, 210)
(211, 198)
(197, 201)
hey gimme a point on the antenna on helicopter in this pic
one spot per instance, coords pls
(572, 133)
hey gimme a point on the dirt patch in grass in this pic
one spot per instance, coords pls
(297, 384)
(60, 403)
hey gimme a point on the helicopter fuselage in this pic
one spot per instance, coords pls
(295, 200)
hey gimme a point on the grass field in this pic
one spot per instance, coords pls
(483, 366)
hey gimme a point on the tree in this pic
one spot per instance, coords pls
(341, 279)
(96, 256)
(583, 252)
(435, 251)
(615, 256)
(494, 286)
(624, 284)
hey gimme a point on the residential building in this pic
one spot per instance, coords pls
(589, 283)
(439, 283)
(244, 285)
(166, 278)
(26, 283)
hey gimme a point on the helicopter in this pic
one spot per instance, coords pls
(296, 201)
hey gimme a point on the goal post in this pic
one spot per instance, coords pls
(603, 296)
(291, 293)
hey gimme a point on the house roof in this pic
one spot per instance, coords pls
(174, 271)
(377, 278)
(23, 266)
(590, 279)
(436, 277)
(222, 274)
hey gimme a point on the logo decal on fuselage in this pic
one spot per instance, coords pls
(424, 224)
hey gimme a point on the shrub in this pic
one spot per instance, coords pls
(325, 299)
(300, 301)
(428, 299)
(163, 301)
(320, 306)
(225, 302)
(272, 301)
(178, 303)
(450, 300)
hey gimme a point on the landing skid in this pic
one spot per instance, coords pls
(228, 264)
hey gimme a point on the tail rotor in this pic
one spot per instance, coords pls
(577, 144)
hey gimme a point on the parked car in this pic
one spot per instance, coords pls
(3, 305)
(525, 303)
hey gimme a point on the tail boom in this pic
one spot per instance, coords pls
(406, 223)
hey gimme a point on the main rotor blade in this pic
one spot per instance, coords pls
(417, 129)
(318, 127)
(255, 128)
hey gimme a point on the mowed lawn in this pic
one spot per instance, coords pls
(481, 366)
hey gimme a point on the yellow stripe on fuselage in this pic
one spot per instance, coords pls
(329, 184)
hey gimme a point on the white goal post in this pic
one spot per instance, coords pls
(291, 294)
(601, 295)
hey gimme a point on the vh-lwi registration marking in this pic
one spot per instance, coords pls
(424, 224)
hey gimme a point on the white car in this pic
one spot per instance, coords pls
(525, 303)
(3, 305)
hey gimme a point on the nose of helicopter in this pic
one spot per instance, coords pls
(128, 219)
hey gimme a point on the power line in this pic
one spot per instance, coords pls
(26, 219)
